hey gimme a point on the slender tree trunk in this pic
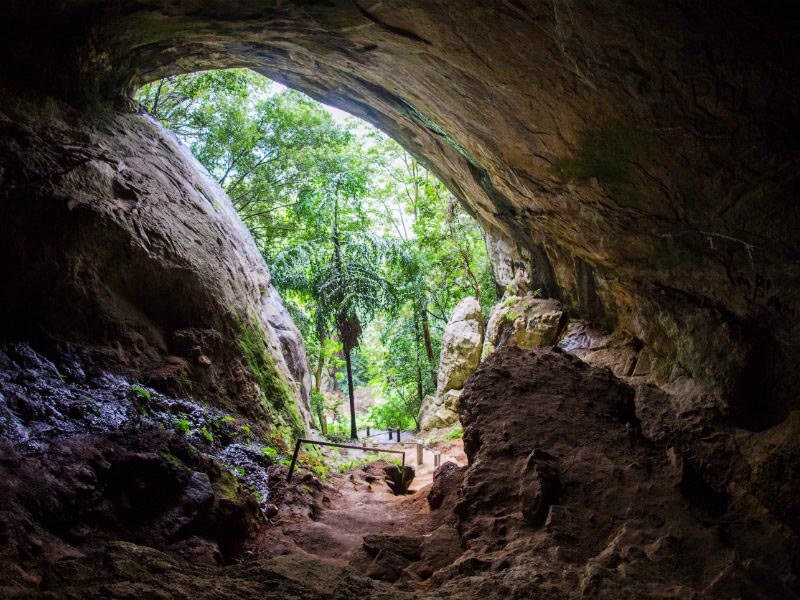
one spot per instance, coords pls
(323, 422)
(351, 393)
(426, 336)
(419, 395)
(320, 366)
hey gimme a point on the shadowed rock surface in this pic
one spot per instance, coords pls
(570, 494)
(635, 161)
(636, 158)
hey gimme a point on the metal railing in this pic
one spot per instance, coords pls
(302, 441)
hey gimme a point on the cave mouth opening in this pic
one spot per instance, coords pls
(370, 252)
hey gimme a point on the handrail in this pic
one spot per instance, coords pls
(301, 441)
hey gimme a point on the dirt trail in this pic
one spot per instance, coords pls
(358, 503)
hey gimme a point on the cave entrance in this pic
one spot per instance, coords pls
(369, 250)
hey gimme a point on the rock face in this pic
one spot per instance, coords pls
(438, 412)
(461, 346)
(90, 457)
(460, 355)
(568, 494)
(627, 159)
(526, 322)
(127, 248)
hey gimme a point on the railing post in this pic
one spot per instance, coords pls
(294, 459)
(390, 434)
(367, 430)
(398, 435)
(419, 453)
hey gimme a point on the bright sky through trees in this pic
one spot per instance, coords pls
(370, 251)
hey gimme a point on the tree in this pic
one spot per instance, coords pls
(352, 226)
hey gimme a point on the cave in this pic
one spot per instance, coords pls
(636, 162)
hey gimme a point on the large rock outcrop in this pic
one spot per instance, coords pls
(126, 247)
(527, 322)
(461, 352)
(575, 489)
(461, 346)
(634, 157)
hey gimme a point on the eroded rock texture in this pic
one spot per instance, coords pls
(638, 157)
(116, 239)
(574, 489)
(460, 354)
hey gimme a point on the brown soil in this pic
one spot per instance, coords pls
(351, 505)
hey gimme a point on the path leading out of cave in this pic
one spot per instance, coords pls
(359, 507)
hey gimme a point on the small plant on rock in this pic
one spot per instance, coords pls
(141, 392)
(207, 435)
(454, 434)
(182, 425)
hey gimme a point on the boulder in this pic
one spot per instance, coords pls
(461, 346)
(528, 322)
(438, 412)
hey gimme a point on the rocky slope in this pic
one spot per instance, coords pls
(576, 489)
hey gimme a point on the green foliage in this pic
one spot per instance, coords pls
(246, 431)
(393, 413)
(207, 435)
(454, 434)
(182, 425)
(141, 392)
(270, 452)
(355, 463)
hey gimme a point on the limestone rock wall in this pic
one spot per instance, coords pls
(115, 239)
(635, 155)
(460, 355)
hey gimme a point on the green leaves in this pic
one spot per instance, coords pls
(355, 230)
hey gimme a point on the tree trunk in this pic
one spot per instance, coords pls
(426, 336)
(351, 393)
(323, 422)
(419, 394)
(320, 366)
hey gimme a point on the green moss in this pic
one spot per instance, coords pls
(141, 392)
(607, 154)
(454, 434)
(209, 437)
(277, 397)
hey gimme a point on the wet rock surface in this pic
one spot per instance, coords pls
(89, 456)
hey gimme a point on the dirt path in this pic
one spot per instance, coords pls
(357, 503)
